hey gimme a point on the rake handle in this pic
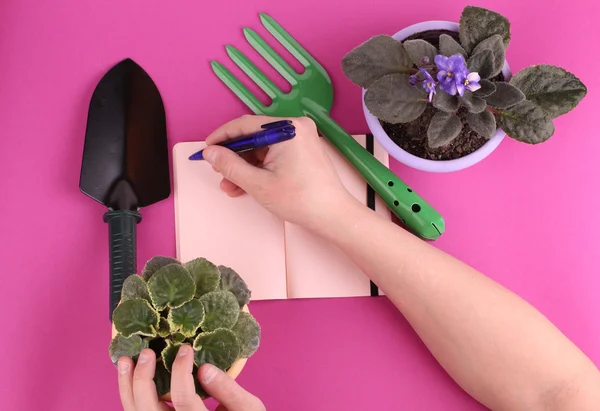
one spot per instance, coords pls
(414, 212)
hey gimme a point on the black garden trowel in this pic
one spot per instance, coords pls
(125, 160)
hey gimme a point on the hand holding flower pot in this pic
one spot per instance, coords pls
(196, 303)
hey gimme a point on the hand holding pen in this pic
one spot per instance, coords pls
(271, 133)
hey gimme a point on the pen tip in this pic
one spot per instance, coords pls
(196, 156)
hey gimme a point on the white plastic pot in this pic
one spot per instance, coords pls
(435, 166)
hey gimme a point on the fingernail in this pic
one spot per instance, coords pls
(209, 155)
(183, 350)
(143, 357)
(123, 367)
(209, 372)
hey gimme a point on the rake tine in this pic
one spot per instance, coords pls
(238, 88)
(287, 40)
(270, 55)
(253, 72)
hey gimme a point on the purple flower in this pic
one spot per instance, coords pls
(452, 73)
(428, 83)
(472, 82)
(413, 80)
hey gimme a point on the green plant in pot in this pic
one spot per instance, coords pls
(441, 95)
(195, 303)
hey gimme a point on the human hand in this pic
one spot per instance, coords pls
(295, 179)
(138, 391)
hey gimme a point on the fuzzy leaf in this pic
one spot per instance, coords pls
(526, 122)
(378, 56)
(472, 103)
(135, 317)
(450, 47)
(126, 347)
(168, 355)
(487, 88)
(247, 331)
(483, 123)
(552, 88)
(393, 100)
(206, 275)
(444, 128)
(171, 286)
(162, 379)
(231, 281)
(155, 264)
(187, 318)
(496, 46)
(134, 287)
(505, 96)
(219, 348)
(178, 338)
(164, 330)
(445, 102)
(221, 310)
(478, 24)
(419, 49)
(482, 63)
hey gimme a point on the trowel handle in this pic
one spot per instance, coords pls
(122, 249)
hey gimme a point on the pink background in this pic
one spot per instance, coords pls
(527, 216)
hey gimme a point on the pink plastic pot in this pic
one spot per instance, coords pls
(421, 163)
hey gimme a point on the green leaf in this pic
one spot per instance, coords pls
(506, 95)
(483, 123)
(187, 318)
(155, 264)
(134, 287)
(178, 338)
(206, 275)
(420, 49)
(478, 24)
(221, 310)
(552, 88)
(472, 103)
(482, 63)
(135, 317)
(494, 44)
(444, 128)
(247, 331)
(487, 88)
(171, 286)
(393, 100)
(164, 330)
(445, 102)
(168, 355)
(219, 348)
(375, 58)
(231, 281)
(126, 347)
(449, 47)
(162, 379)
(526, 122)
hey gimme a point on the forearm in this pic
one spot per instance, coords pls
(495, 345)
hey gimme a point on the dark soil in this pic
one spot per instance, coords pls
(412, 137)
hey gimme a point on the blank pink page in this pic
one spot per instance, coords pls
(317, 268)
(236, 232)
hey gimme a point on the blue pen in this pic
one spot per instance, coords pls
(270, 134)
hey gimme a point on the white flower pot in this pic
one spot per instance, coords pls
(435, 166)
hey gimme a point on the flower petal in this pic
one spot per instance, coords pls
(460, 87)
(473, 86)
(442, 75)
(441, 62)
(473, 77)
(451, 88)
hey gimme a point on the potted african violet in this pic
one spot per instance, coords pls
(196, 303)
(439, 96)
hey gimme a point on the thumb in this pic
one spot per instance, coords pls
(226, 391)
(233, 167)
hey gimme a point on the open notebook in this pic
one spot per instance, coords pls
(277, 259)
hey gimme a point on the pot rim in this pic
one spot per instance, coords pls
(403, 156)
